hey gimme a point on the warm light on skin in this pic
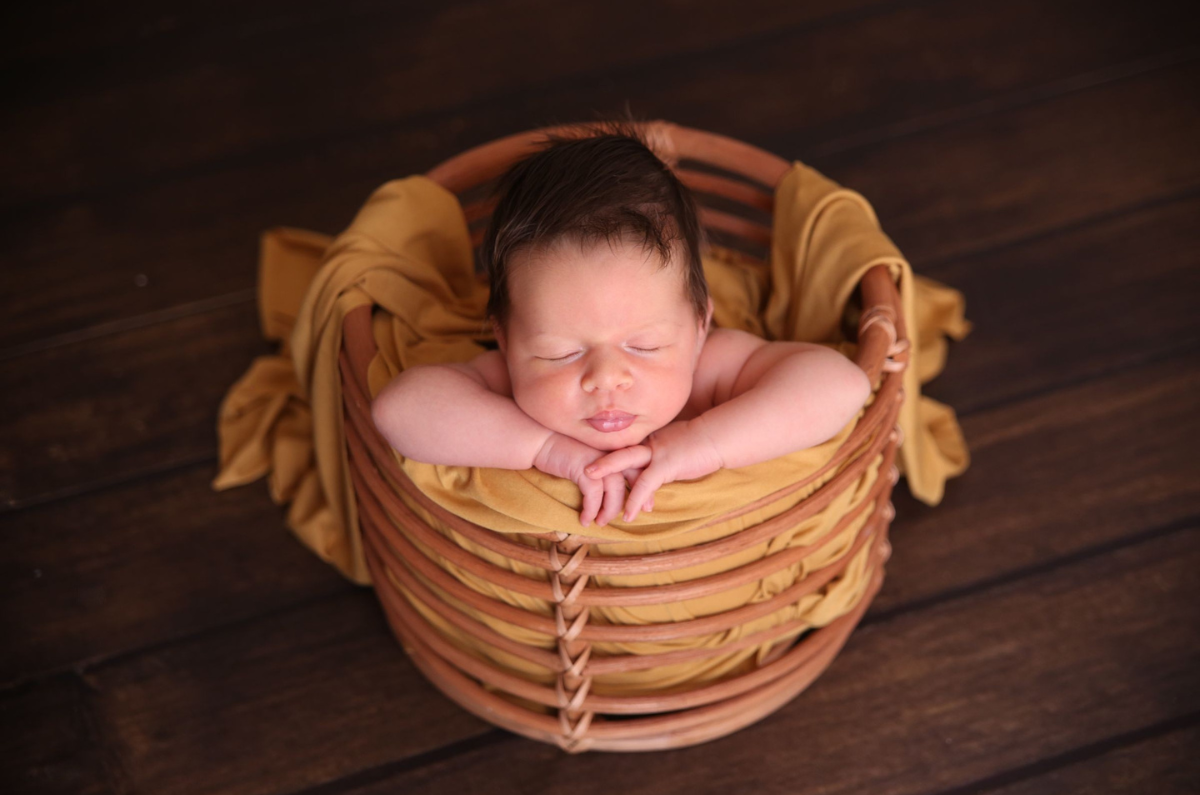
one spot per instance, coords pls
(605, 329)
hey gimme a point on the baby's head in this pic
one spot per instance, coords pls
(598, 297)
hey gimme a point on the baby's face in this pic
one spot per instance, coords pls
(601, 345)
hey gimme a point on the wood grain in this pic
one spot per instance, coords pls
(927, 702)
(955, 555)
(145, 563)
(140, 586)
(1159, 760)
(175, 221)
(273, 706)
(120, 398)
(995, 180)
(1037, 632)
(196, 94)
(52, 743)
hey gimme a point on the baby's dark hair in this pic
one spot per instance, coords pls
(600, 183)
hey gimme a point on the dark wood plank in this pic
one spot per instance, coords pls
(968, 688)
(1052, 477)
(172, 238)
(52, 743)
(142, 564)
(1165, 764)
(121, 405)
(1001, 178)
(1040, 634)
(1076, 303)
(127, 403)
(324, 664)
(274, 706)
(141, 586)
(204, 89)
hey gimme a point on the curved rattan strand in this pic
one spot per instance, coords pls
(641, 564)
(740, 710)
(405, 567)
(488, 161)
(872, 357)
(675, 730)
(614, 633)
(626, 705)
(727, 188)
(617, 663)
(704, 712)
(676, 592)
(717, 622)
(734, 225)
(760, 533)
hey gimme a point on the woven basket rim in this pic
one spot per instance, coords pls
(394, 535)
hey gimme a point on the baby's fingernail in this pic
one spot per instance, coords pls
(590, 470)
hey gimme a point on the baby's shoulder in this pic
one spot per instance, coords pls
(728, 348)
(725, 352)
(490, 365)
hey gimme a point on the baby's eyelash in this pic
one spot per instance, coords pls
(576, 353)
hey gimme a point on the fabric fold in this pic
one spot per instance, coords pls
(408, 254)
(825, 239)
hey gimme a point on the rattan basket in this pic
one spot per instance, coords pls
(569, 714)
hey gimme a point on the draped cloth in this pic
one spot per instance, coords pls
(408, 254)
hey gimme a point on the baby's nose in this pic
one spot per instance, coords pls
(606, 372)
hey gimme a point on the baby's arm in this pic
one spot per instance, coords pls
(758, 400)
(781, 397)
(463, 414)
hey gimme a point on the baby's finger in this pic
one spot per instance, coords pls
(618, 460)
(592, 495)
(642, 491)
(614, 499)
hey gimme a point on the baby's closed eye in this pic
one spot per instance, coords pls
(560, 358)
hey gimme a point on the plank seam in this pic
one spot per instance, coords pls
(122, 325)
(383, 772)
(1006, 102)
(1075, 756)
(281, 152)
(1016, 575)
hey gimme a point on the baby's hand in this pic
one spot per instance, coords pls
(567, 458)
(679, 451)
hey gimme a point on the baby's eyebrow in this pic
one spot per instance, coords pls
(653, 325)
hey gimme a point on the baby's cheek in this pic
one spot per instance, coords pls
(681, 384)
(546, 400)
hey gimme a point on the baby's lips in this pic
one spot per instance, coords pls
(611, 421)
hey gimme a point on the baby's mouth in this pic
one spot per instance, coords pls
(611, 421)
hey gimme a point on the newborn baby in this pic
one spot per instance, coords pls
(607, 371)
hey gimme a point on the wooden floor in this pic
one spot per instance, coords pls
(1038, 632)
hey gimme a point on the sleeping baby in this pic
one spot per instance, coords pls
(608, 371)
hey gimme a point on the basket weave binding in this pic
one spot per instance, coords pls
(392, 530)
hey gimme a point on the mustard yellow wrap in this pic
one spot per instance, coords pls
(408, 253)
